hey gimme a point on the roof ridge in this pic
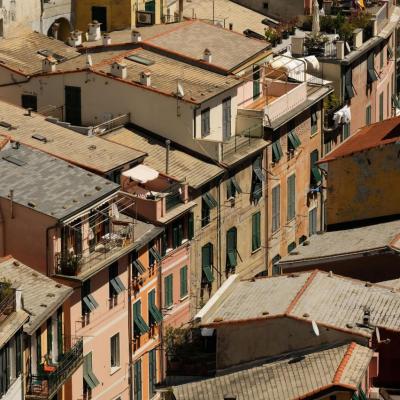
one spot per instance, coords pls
(301, 292)
(339, 372)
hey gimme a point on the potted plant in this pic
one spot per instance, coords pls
(271, 35)
(315, 44)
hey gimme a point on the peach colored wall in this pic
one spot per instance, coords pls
(179, 313)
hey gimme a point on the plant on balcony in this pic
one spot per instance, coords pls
(5, 289)
(71, 264)
(272, 36)
(315, 43)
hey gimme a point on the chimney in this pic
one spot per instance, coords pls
(119, 70)
(167, 145)
(94, 31)
(207, 56)
(357, 38)
(75, 38)
(297, 45)
(54, 29)
(374, 27)
(145, 78)
(49, 64)
(18, 299)
(136, 37)
(106, 39)
(340, 49)
(180, 10)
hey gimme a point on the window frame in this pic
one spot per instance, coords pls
(231, 249)
(169, 291)
(276, 208)
(291, 197)
(205, 122)
(115, 359)
(183, 282)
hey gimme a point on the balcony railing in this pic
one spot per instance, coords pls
(7, 301)
(174, 196)
(44, 386)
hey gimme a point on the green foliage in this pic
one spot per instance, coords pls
(5, 289)
(331, 102)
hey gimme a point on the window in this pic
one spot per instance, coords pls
(345, 131)
(152, 372)
(231, 249)
(232, 187)
(169, 291)
(184, 282)
(314, 120)
(293, 141)
(312, 222)
(256, 81)
(89, 378)
(4, 370)
(277, 152)
(207, 204)
(276, 269)
(381, 58)
(154, 255)
(372, 76)
(205, 122)
(139, 325)
(89, 304)
(115, 285)
(276, 208)
(226, 118)
(368, 115)
(348, 84)
(155, 315)
(291, 247)
(114, 351)
(207, 263)
(177, 233)
(137, 388)
(29, 101)
(291, 197)
(256, 231)
(60, 333)
(315, 174)
(390, 54)
(49, 331)
(190, 225)
(381, 107)
(257, 180)
(137, 266)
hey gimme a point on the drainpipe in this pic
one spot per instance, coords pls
(219, 267)
(266, 207)
(47, 246)
(167, 145)
(161, 326)
(321, 208)
(130, 338)
(3, 236)
(41, 15)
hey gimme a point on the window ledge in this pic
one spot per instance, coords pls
(113, 370)
(184, 297)
(256, 250)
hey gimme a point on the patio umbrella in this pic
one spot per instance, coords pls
(315, 21)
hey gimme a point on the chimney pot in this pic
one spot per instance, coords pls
(106, 39)
(119, 70)
(145, 78)
(75, 38)
(49, 64)
(94, 31)
(207, 56)
(136, 37)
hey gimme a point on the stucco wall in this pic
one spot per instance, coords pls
(355, 185)
(276, 8)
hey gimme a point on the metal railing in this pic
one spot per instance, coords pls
(174, 196)
(111, 125)
(7, 302)
(46, 385)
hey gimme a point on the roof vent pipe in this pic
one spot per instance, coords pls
(207, 56)
(168, 145)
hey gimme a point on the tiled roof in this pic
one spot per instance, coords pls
(21, 53)
(368, 137)
(90, 152)
(47, 184)
(226, 12)
(292, 378)
(229, 49)
(341, 244)
(41, 295)
(330, 300)
(182, 165)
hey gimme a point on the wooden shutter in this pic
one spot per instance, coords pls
(276, 207)
(291, 197)
(256, 232)
(183, 281)
(190, 226)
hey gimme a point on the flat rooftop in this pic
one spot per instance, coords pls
(47, 184)
(89, 152)
(296, 377)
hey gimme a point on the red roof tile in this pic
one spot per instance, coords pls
(368, 137)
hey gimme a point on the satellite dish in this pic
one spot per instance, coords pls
(315, 328)
(179, 90)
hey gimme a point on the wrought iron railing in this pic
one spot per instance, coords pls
(46, 385)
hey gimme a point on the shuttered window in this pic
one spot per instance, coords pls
(137, 388)
(381, 107)
(226, 118)
(89, 304)
(277, 152)
(372, 76)
(168, 291)
(256, 231)
(139, 325)
(155, 315)
(276, 269)
(205, 122)
(152, 372)
(183, 282)
(315, 174)
(276, 208)
(49, 329)
(291, 247)
(314, 120)
(368, 115)
(257, 180)
(231, 249)
(293, 141)
(207, 263)
(291, 197)
(348, 84)
(177, 233)
(115, 284)
(88, 375)
(312, 222)
(346, 131)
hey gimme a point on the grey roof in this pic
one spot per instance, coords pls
(229, 49)
(47, 184)
(341, 244)
(183, 166)
(291, 378)
(41, 295)
(89, 152)
(226, 12)
(330, 300)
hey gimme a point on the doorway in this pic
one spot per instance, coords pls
(73, 105)
(100, 14)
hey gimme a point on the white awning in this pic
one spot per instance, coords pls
(141, 173)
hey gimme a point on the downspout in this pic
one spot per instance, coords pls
(161, 326)
(266, 207)
(130, 338)
(47, 246)
(219, 268)
(41, 16)
(321, 199)
(3, 236)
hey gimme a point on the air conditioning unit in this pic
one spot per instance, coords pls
(144, 18)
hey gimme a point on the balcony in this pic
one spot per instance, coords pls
(45, 386)
(157, 197)
(7, 301)
(96, 240)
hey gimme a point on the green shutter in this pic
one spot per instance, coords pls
(390, 52)
(140, 326)
(231, 249)
(277, 152)
(291, 197)
(348, 86)
(291, 247)
(372, 76)
(207, 262)
(381, 107)
(395, 101)
(154, 313)
(276, 208)
(39, 349)
(361, 394)
(138, 380)
(190, 226)
(229, 189)
(294, 140)
(183, 282)
(256, 232)
(210, 201)
(236, 185)
(88, 374)
(168, 294)
(152, 372)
